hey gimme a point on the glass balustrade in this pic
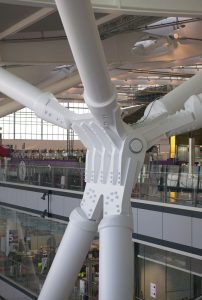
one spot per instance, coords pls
(71, 178)
(28, 246)
(170, 184)
(162, 183)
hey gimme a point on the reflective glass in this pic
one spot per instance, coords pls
(170, 275)
(28, 245)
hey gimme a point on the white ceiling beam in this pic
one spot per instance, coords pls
(143, 7)
(151, 7)
(35, 17)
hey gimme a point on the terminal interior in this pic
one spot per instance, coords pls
(42, 166)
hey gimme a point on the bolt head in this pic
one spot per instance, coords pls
(136, 145)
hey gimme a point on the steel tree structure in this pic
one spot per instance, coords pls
(115, 154)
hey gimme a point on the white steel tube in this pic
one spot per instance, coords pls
(175, 99)
(44, 104)
(116, 261)
(81, 30)
(69, 258)
(54, 88)
(18, 89)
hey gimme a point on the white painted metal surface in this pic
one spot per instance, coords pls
(153, 7)
(44, 104)
(115, 268)
(55, 87)
(69, 257)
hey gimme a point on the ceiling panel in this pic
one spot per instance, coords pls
(11, 14)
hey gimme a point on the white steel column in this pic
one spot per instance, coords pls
(99, 93)
(175, 99)
(69, 257)
(17, 88)
(116, 263)
(55, 87)
(45, 105)
(79, 24)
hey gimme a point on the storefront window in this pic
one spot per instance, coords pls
(166, 275)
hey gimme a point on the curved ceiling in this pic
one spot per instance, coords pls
(34, 47)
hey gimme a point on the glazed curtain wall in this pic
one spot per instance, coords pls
(24, 124)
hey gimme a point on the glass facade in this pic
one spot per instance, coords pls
(165, 275)
(24, 124)
(27, 248)
(7, 125)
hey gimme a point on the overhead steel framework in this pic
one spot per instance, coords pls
(115, 150)
(143, 7)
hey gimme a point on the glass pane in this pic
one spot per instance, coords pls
(174, 276)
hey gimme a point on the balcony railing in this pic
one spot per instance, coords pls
(169, 184)
(71, 178)
(161, 183)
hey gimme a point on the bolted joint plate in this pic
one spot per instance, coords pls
(108, 197)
